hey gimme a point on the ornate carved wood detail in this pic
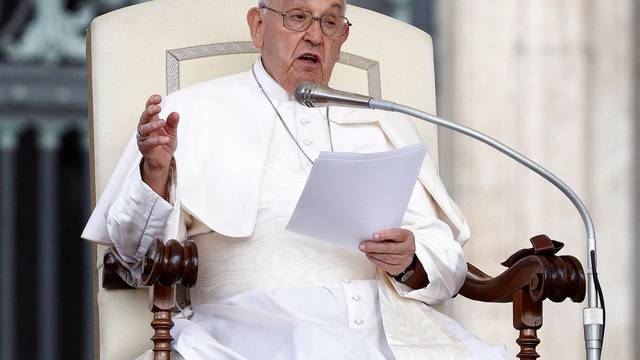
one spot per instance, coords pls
(165, 265)
(116, 274)
(162, 304)
(543, 273)
(533, 275)
(528, 341)
(527, 317)
(171, 263)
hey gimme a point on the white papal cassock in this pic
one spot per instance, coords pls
(263, 292)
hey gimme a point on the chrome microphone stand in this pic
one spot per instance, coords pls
(314, 95)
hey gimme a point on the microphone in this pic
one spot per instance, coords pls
(315, 95)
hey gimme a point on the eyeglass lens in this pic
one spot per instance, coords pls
(299, 20)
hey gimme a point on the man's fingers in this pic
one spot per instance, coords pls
(391, 269)
(154, 100)
(389, 247)
(393, 241)
(391, 259)
(172, 121)
(154, 141)
(379, 261)
(391, 234)
(148, 128)
(149, 113)
(151, 108)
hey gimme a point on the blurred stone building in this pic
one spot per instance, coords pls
(557, 79)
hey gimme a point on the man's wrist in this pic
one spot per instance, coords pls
(419, 278)
(157, 178)
(408, 272)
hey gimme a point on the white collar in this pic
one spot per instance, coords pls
(269, 84)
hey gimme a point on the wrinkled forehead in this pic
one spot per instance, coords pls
(324, 5)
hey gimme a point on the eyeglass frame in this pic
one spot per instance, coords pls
(319, 18)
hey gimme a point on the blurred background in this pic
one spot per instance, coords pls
(556, 79)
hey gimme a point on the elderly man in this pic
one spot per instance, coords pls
(224, 162)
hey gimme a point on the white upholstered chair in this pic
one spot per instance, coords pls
(163, 45)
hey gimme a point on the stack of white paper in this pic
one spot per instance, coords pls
(349, 196)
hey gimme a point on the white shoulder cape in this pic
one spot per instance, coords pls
(224, 133)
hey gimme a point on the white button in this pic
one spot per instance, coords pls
(347, 281)
(356, 297)
(358, 321)
(307, 142)
(305, 121)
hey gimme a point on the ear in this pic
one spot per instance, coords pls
(254, 20)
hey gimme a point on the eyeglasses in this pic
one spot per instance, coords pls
(300, 20)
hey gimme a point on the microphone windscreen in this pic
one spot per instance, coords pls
(316, 95)
(304, 93)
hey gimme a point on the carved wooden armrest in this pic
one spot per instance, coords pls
(533, 275)
(163, 267)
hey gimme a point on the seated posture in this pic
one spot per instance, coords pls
(224, 162)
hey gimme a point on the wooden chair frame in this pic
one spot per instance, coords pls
(533, 275)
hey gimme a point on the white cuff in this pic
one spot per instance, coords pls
(444, 264)
(138, 217)
(157, 221)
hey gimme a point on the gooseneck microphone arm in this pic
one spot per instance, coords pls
(315, 95)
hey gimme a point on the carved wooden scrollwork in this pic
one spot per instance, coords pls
(533, 275)
(171, 263)
(164, 266)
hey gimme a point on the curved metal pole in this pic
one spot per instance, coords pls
(593, 314)
(315, 95)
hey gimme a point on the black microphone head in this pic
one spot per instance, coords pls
(304, 92)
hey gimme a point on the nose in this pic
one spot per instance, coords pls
(313, 34)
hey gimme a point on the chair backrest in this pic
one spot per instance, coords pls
(162, 45)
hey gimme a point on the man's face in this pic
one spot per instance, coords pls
(292, 57)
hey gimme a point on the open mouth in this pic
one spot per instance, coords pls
(309, 58)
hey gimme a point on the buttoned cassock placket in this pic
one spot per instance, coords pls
(360, 300)
(310, 128)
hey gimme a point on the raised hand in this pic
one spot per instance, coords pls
(157, 142)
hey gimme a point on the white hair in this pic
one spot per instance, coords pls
(264, 3)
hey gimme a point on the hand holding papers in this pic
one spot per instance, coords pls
(350, 196)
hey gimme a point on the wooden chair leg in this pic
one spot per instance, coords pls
(163, 268)
(163, 304)
(528, 340)
(527, 317)
(162, 339)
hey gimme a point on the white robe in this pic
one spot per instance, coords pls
(218, 129)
